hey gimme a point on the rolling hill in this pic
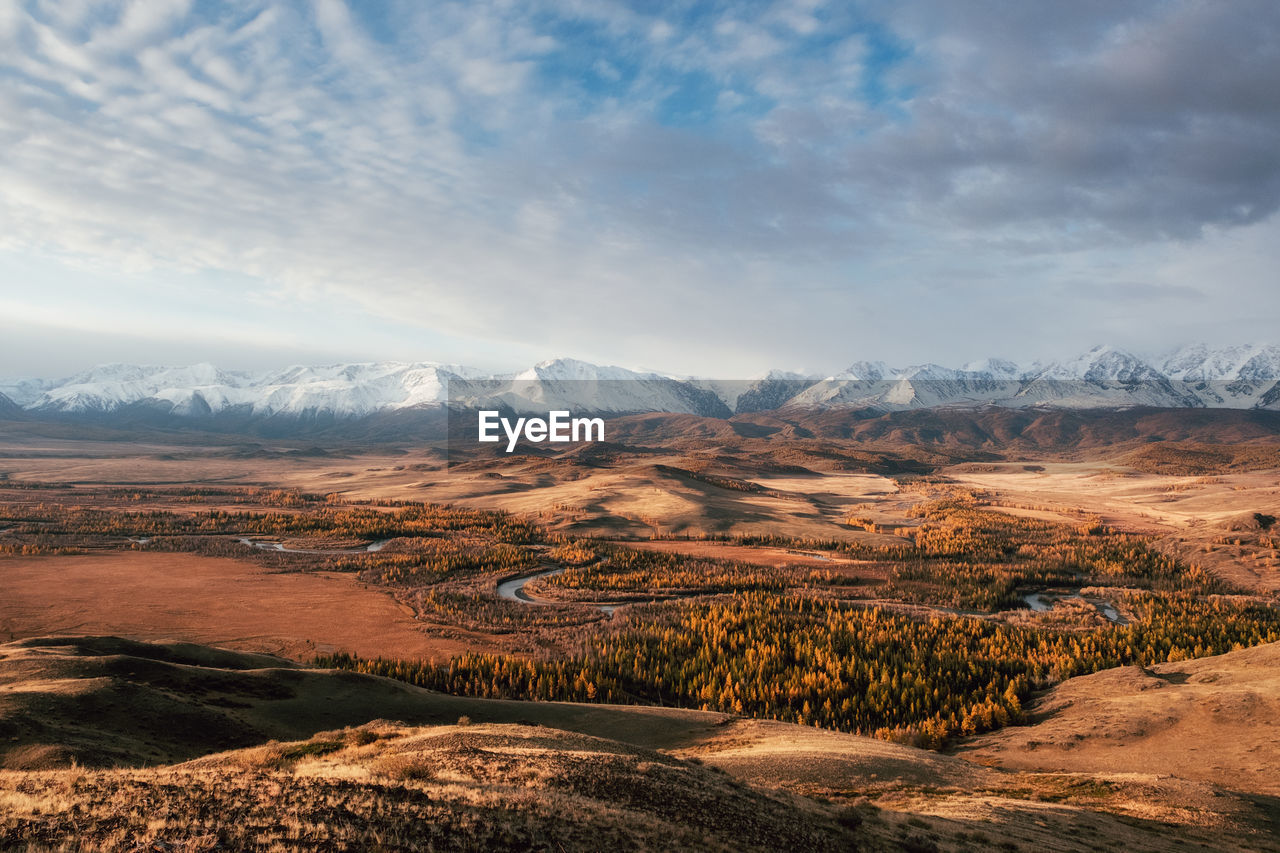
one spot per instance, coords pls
(113, 744)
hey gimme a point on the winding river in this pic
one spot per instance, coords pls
(512, 589)
(280, 546)
(1037, 602)
(285, 549)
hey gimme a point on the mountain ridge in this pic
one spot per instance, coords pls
(1236, 377)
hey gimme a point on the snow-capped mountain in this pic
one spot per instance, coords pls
(1239, 377)
(762, 394)
(23, 392)
(867, 371)
(573, 370)
(1103, 377)
(110, 386)
(342, 389)
(1100, 378)
(1200, 363)
(578, 386)
(997, 369)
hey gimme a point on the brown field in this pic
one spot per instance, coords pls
(1124, 497)
(1198, 517)
(631, 499)
(214, 600)
(639, 501)
(637, 498)
(135, 595)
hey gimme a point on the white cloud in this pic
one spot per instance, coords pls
(765, 175)
(140, 23)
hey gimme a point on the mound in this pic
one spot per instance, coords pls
(389, 787)
(811, 760)
(513, 775)
(1252, 522)
(104, 701)
(1215, 719)
(1192, 458)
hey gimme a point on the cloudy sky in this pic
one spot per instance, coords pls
(702, 188)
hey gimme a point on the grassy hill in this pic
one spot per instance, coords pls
(112, 744)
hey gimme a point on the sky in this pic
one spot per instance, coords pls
(713, 189)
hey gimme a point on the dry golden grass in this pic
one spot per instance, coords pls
(474, 778)
(480, 787)
(1214, 720)
(199, 599)
(486, 785)
(386, 786)
(104, 701)
(1188, 515)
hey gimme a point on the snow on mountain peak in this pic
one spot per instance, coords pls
(993, 368)
(571, 369)
(1238, 376)
(867, 371)
(1199, 363)
(1102, 364)
(929, 373)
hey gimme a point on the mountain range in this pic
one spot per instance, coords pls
(1239, 377)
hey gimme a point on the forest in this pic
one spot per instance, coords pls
(841, 665)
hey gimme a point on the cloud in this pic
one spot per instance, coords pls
(590, 178)
(1140, 120)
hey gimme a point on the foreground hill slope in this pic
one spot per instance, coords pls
(107, 701)
(1216, 719)
(110, 702)
(393, 787)
(315, 765)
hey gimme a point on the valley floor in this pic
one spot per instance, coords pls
(740, 579)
